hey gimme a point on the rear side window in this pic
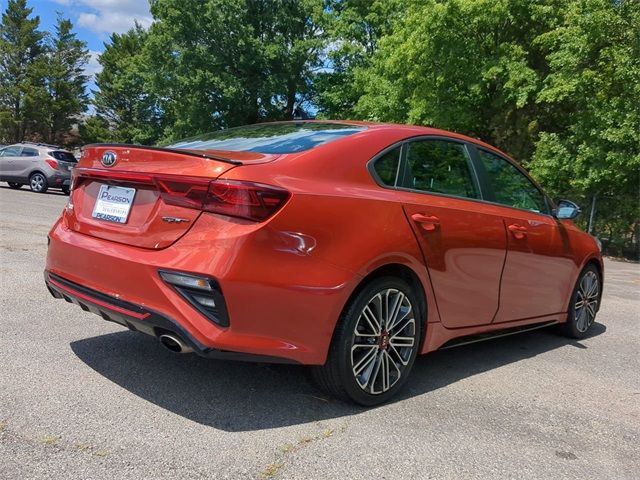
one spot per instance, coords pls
(269, 137)
(63, 156)
(29, 152)
(386, 167)
(439, 166)
(510, 186)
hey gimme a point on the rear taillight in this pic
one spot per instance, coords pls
(253, 201)
(52, 163)
(183, 191)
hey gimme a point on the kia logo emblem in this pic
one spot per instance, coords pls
(109, 158)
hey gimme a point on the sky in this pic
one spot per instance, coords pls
(93, 20)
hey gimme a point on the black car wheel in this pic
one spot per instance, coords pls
(38, 183)
(584, 304)
(14, 185)
(66, 190)
(375, 344)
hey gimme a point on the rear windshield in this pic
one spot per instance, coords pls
(63, 156)
(268, 138)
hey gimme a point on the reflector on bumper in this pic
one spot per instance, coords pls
(201, 292)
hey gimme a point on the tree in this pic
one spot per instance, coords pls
(123, 98)
(22, 70)
(556, 83)
(464, 65)
(95, 129)
(298, 40)
(355, 28)
(209, 76)
(589, 145)
(65, 81)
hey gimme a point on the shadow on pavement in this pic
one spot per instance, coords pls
(26, 189)
(237, 396)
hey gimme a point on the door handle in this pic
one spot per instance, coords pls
(428, 222)
(519, 232)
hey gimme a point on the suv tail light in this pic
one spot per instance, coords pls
(250, 200)
(52, 163)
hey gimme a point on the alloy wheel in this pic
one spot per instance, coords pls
(384, 338)
(37, 182)
(586, 303)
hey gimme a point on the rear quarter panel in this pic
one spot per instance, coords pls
(338, 214)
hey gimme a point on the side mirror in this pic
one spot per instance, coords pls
(566, 210)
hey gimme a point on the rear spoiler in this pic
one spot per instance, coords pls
(192, 153)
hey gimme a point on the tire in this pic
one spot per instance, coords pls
(15, 186)
(38, 183)
(582, 315)
(360, 377)
(66, 190)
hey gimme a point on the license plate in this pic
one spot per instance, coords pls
(113, 203)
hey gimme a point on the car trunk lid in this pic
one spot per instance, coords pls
(143, 196)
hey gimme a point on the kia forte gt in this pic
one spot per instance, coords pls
(350, 247)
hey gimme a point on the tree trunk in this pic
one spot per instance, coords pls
(592, 214)
(291, 99)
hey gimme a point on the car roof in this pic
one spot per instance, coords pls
(37, 146)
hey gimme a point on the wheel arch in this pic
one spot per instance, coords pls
(598, 264)
(33, 172)
(589, 260)
(403, 272)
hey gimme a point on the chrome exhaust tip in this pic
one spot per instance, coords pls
(174, 344)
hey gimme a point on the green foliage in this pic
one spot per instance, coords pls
(95, 129)
(592, 95)
(22, 70)
(65, 82)
(42, 80)
(556, 83)
(463, 65)
(123, 99)
(355, 28)
(209, 75)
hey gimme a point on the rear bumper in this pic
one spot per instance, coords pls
(58, 180)
(280, 304)
(138, 318)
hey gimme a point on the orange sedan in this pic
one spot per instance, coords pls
(348, 246)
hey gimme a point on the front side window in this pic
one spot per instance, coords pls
(386, 166)
(510, 186)
(439, 166)
(10, 152)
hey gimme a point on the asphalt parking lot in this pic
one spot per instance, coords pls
(84, 398)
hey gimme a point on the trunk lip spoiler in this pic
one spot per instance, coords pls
(162, 149)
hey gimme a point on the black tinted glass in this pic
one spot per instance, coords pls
(439, 166)
(63, 156)
(268, 137)
(510, 186)
(29, 152)
(387, 166)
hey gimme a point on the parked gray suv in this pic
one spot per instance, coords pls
(38, 165)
